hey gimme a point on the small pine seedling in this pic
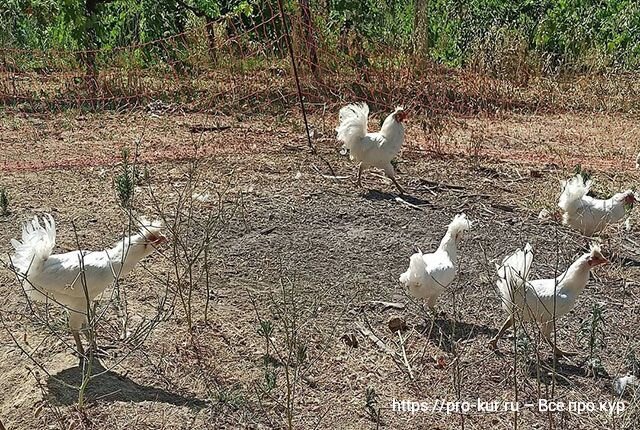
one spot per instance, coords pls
(145, 174)
(270, 373)
(523, 345)
(371, 405)
(266, 330)
(301, 354)
(586, 174)
(593, 330)
(4, 202)
(632, 363)
(125, 182)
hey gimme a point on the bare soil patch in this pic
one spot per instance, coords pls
(340, 250)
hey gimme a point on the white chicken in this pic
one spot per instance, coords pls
(587, 214)
(371, 149)
(58, 278)
(429, 275)
(541, 299)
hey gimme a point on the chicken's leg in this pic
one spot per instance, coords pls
(390, 172)
(359, 180)
(402, 191)
(432, 307)
(493, 343)
(546, 333)
(76, 321)
(79, 347)
(98, 351)
(431, 302)
(91, 340)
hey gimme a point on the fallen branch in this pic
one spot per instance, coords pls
(388, 305)
(267, 230)
(404, 355)
(633, 242)
(202, 128)
(438, 185)
(406, 203)
(505, 208)
(334, 177)
(375, 339)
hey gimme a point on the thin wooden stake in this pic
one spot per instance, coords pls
(294, 67)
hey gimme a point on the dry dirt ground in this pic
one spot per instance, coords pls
(316, 258)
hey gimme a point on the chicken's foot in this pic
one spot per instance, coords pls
(493, 343)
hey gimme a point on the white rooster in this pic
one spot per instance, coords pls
(371, 149)
(58, 277)
(587, 214)
(429, 274)
(539, 300)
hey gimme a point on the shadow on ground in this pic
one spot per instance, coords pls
(108, 385)
(444, 332)
(377, 195)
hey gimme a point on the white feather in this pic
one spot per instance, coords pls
(620, 385)
(61, 277)
(573, 191)
(370, 149)
(541, 300)
(429, 275)
(353, 124)
(36, 245)
(512, 276)
(585, 213)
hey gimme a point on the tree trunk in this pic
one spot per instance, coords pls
(309, 36)
(211, 39)
(421, 30)
(90, 46)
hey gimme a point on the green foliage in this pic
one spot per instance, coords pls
(593, 330)
(28, 24)
(378, 21)
(270, 373)
(125, 181)
(371, 405)
(578, 35)
(632, 363)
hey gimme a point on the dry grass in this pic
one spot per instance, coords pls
(314, 257)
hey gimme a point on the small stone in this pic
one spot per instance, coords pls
(440, 361)
(350, 339)
(396, 324)
(544, 214)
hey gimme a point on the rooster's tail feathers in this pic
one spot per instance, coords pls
(572, 191)
(38, 241)
(514, 272)
(353, 123)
